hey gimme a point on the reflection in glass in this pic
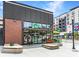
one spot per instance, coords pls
(27, 24)
(32, 30)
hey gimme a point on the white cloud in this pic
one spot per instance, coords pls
(54, 6)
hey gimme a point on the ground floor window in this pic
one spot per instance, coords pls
(35, 33)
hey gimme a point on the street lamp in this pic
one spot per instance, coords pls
(73, 47)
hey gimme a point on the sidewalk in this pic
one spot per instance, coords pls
(39, 51)
(70, 41)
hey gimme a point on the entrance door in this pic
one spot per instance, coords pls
(13, 31)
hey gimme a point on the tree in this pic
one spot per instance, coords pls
(58, 29)
(76, 34)
(65, 35)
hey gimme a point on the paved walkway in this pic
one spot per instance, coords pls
(38, 51)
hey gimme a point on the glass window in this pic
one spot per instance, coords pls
(40, 26)
(73, 15)
(44, 26)
(48, 26)
(36, 25)
(27, 25)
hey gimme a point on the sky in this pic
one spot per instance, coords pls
(1, 9)
(57, 7)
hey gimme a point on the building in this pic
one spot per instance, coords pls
(1, 31)
(62, 23)
(73, 15)
(21, 21)
(65, 21)
(55, 24)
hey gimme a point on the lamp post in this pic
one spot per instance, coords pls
(73, 47)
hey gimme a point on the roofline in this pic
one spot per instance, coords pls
(61, 14)
(66, 12)
(28, 6)
(74, 8)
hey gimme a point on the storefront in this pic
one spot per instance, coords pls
(36, 32)
(24, 24)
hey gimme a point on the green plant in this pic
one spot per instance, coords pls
(11, 44)
(65, 35)
(57, 40)
(76, 35)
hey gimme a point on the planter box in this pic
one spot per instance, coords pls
(12, 49)
(51, 46)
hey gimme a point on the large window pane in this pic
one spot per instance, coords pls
(44, 26)
(36, 25)
(27, 24)
(48, 26)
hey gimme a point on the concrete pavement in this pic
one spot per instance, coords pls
(38, 51)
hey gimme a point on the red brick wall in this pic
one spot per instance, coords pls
(13, 31)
